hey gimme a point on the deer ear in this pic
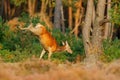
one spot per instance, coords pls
(63, 43)
(66, 42)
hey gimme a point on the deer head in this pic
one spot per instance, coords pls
(67, 47)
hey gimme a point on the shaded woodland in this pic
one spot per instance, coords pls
(91, 27)
(94, 20)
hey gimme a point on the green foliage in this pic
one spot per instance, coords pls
(20, 45)
(27, 19)
(76, 45)
(18, 2)
(115, 12)
(111, 50)
(24, 17)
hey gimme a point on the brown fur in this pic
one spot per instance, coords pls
(47, 40)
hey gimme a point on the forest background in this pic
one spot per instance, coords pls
(91, 27)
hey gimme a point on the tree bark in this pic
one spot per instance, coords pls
(2, 6)
(78, 17)
(108, 25)
(62, 20)
(44, 16)
(43, 6)
(57, 14)
(97, 29)
(31, 7)
(87, 26)
(70, 22)
(6, 9)
(93, 42)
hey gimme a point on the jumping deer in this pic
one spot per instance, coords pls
(48, 42)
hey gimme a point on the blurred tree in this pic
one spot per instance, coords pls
(115, 19)
(32, 7)
(43, 13)
(11, 8)
(87, 26)
(108, 26)
(8, 12)
(93, 43)
(78, 17)
(57, 14)
(70, 22)
(1, 7)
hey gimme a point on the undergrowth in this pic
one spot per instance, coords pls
(111, 50)
(21, 45)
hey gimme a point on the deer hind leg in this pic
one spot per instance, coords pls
(49, 54)
(42, 53)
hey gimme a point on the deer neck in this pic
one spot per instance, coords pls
(61, 48)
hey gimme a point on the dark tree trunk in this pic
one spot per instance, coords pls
(57, 14)
(1, 8)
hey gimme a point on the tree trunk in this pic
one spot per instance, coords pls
(108, 25)
(50, 10)
(62, 20)
(93, 45)
(93, 16)
(97, 29)
(44, 6)
(57, 14)
(6, 9)
(87, 26)
(31, 7)
(70, 22)
(78, 17)
(1, 9)
(43, 16)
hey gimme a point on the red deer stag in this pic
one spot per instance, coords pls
(47, 40)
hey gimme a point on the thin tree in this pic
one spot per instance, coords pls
(1, 7)
(8, 11)
(31, 7)
(43, 14)
(57, 14)
(70, 22)
(78, 17)
(107, 25)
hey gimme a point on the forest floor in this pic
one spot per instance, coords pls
(33, 69)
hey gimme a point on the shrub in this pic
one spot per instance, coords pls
(21, 45)
(18, 44)
(76, 45)
(111, 50)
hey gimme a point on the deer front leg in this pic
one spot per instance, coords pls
(42, 53)
(28, 28)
